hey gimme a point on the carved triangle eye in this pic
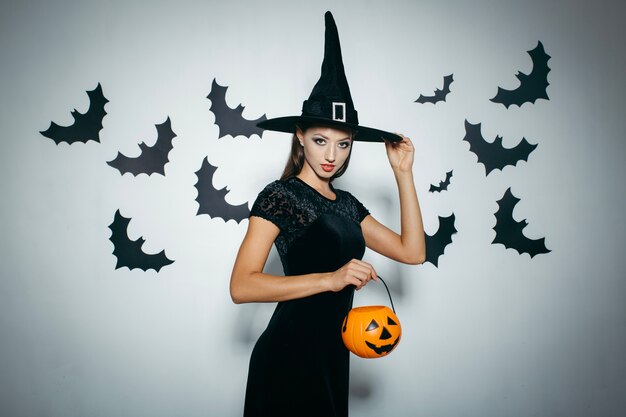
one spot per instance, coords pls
(372, 326)
(385, 334)
(391, 322)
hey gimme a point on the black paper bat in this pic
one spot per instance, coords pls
(231, 121)
(86, 126)
(443, 185)
(152, 158)
(509, 231)
(440, 95)
(494, 155)
(436, 244)
(211, 200)
(128, 252)
(532, 86)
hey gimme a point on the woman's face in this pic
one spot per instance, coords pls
(325, 149)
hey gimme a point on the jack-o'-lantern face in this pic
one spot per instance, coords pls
(371, 332)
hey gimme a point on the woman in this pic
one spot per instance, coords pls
(299, 366)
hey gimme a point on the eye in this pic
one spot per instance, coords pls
(319, 141)
(372, 326)
(344, 145)
(390, 322)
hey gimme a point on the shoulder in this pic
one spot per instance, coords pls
(272, 187)
(346, 195)
(274, 203)
(275, 189)
(353, 205)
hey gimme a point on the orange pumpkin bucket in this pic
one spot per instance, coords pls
(371, 331)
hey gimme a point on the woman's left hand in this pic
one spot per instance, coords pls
(400, 154)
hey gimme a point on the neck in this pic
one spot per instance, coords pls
(310, 177)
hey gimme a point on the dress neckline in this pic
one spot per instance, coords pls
(301, 181)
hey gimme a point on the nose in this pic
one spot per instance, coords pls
(330, 154)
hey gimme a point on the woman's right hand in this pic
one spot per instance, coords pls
(355, 272)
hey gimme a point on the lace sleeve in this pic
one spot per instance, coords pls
(359, 208)
(363, 212)
(270, 204)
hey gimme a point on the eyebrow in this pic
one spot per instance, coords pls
(338, 140)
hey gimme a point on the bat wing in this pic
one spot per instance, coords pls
(152, 158)
(509, 231)
(86, 125)
(440, 95)
(443, 185)
(128, 252)
(231, 121)
(436, 244)
(532, 86)
(494, 155)
(212, 201)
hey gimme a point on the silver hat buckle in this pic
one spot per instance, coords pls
(339, 111)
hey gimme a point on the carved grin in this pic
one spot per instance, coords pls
(383, 349)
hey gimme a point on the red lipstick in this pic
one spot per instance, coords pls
(328, 167)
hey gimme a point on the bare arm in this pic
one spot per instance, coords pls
(248, 283)
(409, 246)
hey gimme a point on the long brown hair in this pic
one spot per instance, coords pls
(295, 162)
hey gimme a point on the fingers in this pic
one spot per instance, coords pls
(360, 272)
(355, 272)
(405, 143)
(363, 267)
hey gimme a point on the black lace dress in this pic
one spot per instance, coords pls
(299, 365)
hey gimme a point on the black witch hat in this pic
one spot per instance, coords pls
(330, 102)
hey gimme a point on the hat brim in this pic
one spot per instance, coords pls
(363, 133)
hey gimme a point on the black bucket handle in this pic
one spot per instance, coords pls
(388, 293)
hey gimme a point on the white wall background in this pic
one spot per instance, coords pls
(489, 332)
